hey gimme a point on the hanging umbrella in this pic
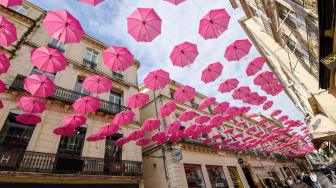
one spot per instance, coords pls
(31, 105)
(276, 112)
(91, 2)
(1, 104)
(187, 116)
(214, 23)
(238, 50)
(217, 120)
(28, 119)
(85, 105)
(212, 72)
(143, 142)
(117, 58)
(207, 103)
(207, 141)
(202, 119)
(221, 108)
(184, 94)
(262, 121)
(48, 59)
(228, 85)
(240, 123)
(10, 3)
(144, 24)
(4, 63)
(39, 86)
(175, 2)
(7, 32)
(250, 129)
(173, 127)
(268, 105)
(167, 108)
(283, 118)
(190, 130)
(157, 80)
(108, 130)
(64, 131)
(159, 137)
(73, 121)
(62, 26)
(233, 111)
(228, 131)
(241, 92)
(123, 118)
(97, 84)
(264, 78)
(184, 54)
(136, 134)
(95, 138)
(255, 66)
(151, 125)
(2, 86)
(122, 141)
(227, 140)
(137, 100)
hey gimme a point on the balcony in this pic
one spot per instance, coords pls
(52, 45)
(89, 63)
(118, 75)
(29, 161)
(70, 96)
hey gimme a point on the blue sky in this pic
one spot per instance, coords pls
(107, 22)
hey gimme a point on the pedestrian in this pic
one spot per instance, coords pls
(290, 182)
(313, 178)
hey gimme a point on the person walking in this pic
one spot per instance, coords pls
(290, 182)
(313, 178)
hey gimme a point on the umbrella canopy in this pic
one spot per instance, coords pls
(184, 54)
(207, 141)
(276, 112)
(263, 78)
(1, 104)
(97, 84)
(217, 120)
(238, 50)
(28, 119)
(48, 59)
(156, 80)
(207, 103)
(123, 118)
(85, 105)
(143, 142)
(62, 26)
(167, 108)
(122, 141)
(151, 124)
(212, 72)
(4, 63)
(159, 137)
(228, 131)
(31, 105)
(144, 24)
(268, 105)
(241, 92)
(214, 23)
(108, 130)
(221, 108)
(255, 66)
(202, 119)
(136, 134)
(240, 123)
(175, 2)
(233, 111)
(137, 100)
(187, 116)
(7, 33)
(73, 121)
(95, 138)
(64, 131)
(117, 58)
(173, 127)
(2, 86)
(250, 129)
(184, 94)
(10, 3)
(91, 2)
(283, 118)
(228, 85)
(39, 85)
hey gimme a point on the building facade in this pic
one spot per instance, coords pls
(292, 36)
(33, 154)
(192, 163)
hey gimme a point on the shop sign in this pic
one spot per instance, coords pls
(330, 61)
(177, 154)
(9, 159)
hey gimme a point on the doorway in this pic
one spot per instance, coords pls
(249, 178)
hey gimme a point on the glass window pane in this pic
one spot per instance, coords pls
(237, 183)
(194, 176)
(217, 176)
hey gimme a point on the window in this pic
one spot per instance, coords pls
(20, 9)
(112, 153)
(217, 176)
(116, 98)
(194, 104)
(53, 43)
(72, 145)
(237, 183)
(39, 72)
(79, 87)
(194, 176)
(91, 55)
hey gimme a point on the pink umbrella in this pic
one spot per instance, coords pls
(174, 137)
(28, 119)
(175, 2)
(276, 112)
(144, 24)
(167, 108)
(157, 80)
(255, 66)
(228, 85)
(117, 58)
(136, 134)
(221, 108)
(97, 84)
(207, 141)
(207, 103)
(85, 105)
(240, 123)
(202, 119)
(173, 127)
(184, 54)
(137, 100)
(31, 105)
(268, 105)
(213, 24)
(95, 138)
(184, 94)
(143, 142)
(39, 85)
(62, 26)
(10, 3)
(159, 137)
(264, 78)
(73, 121)
(241, 92)
(122, 141)
(4, 63)
(2, 86)
(124, 118)
(212, 72)
(238, 50)
(48, 59)
(91, 2)
(228, 131)
(189, 131)
(283, 118)
(262, 122)
(217, 120)
(1, 104)
(151, 125)
(238, 135)
(7, 33)
(233, 111)
(187, 116)
(217, 136)
(250, 129)
(227, 140)
(64, 131)
(108, 130)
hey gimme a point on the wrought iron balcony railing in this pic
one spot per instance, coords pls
(89, 63)
(29, 161)
(70, 96)
(52, 45)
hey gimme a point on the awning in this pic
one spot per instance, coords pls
(322, 129)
